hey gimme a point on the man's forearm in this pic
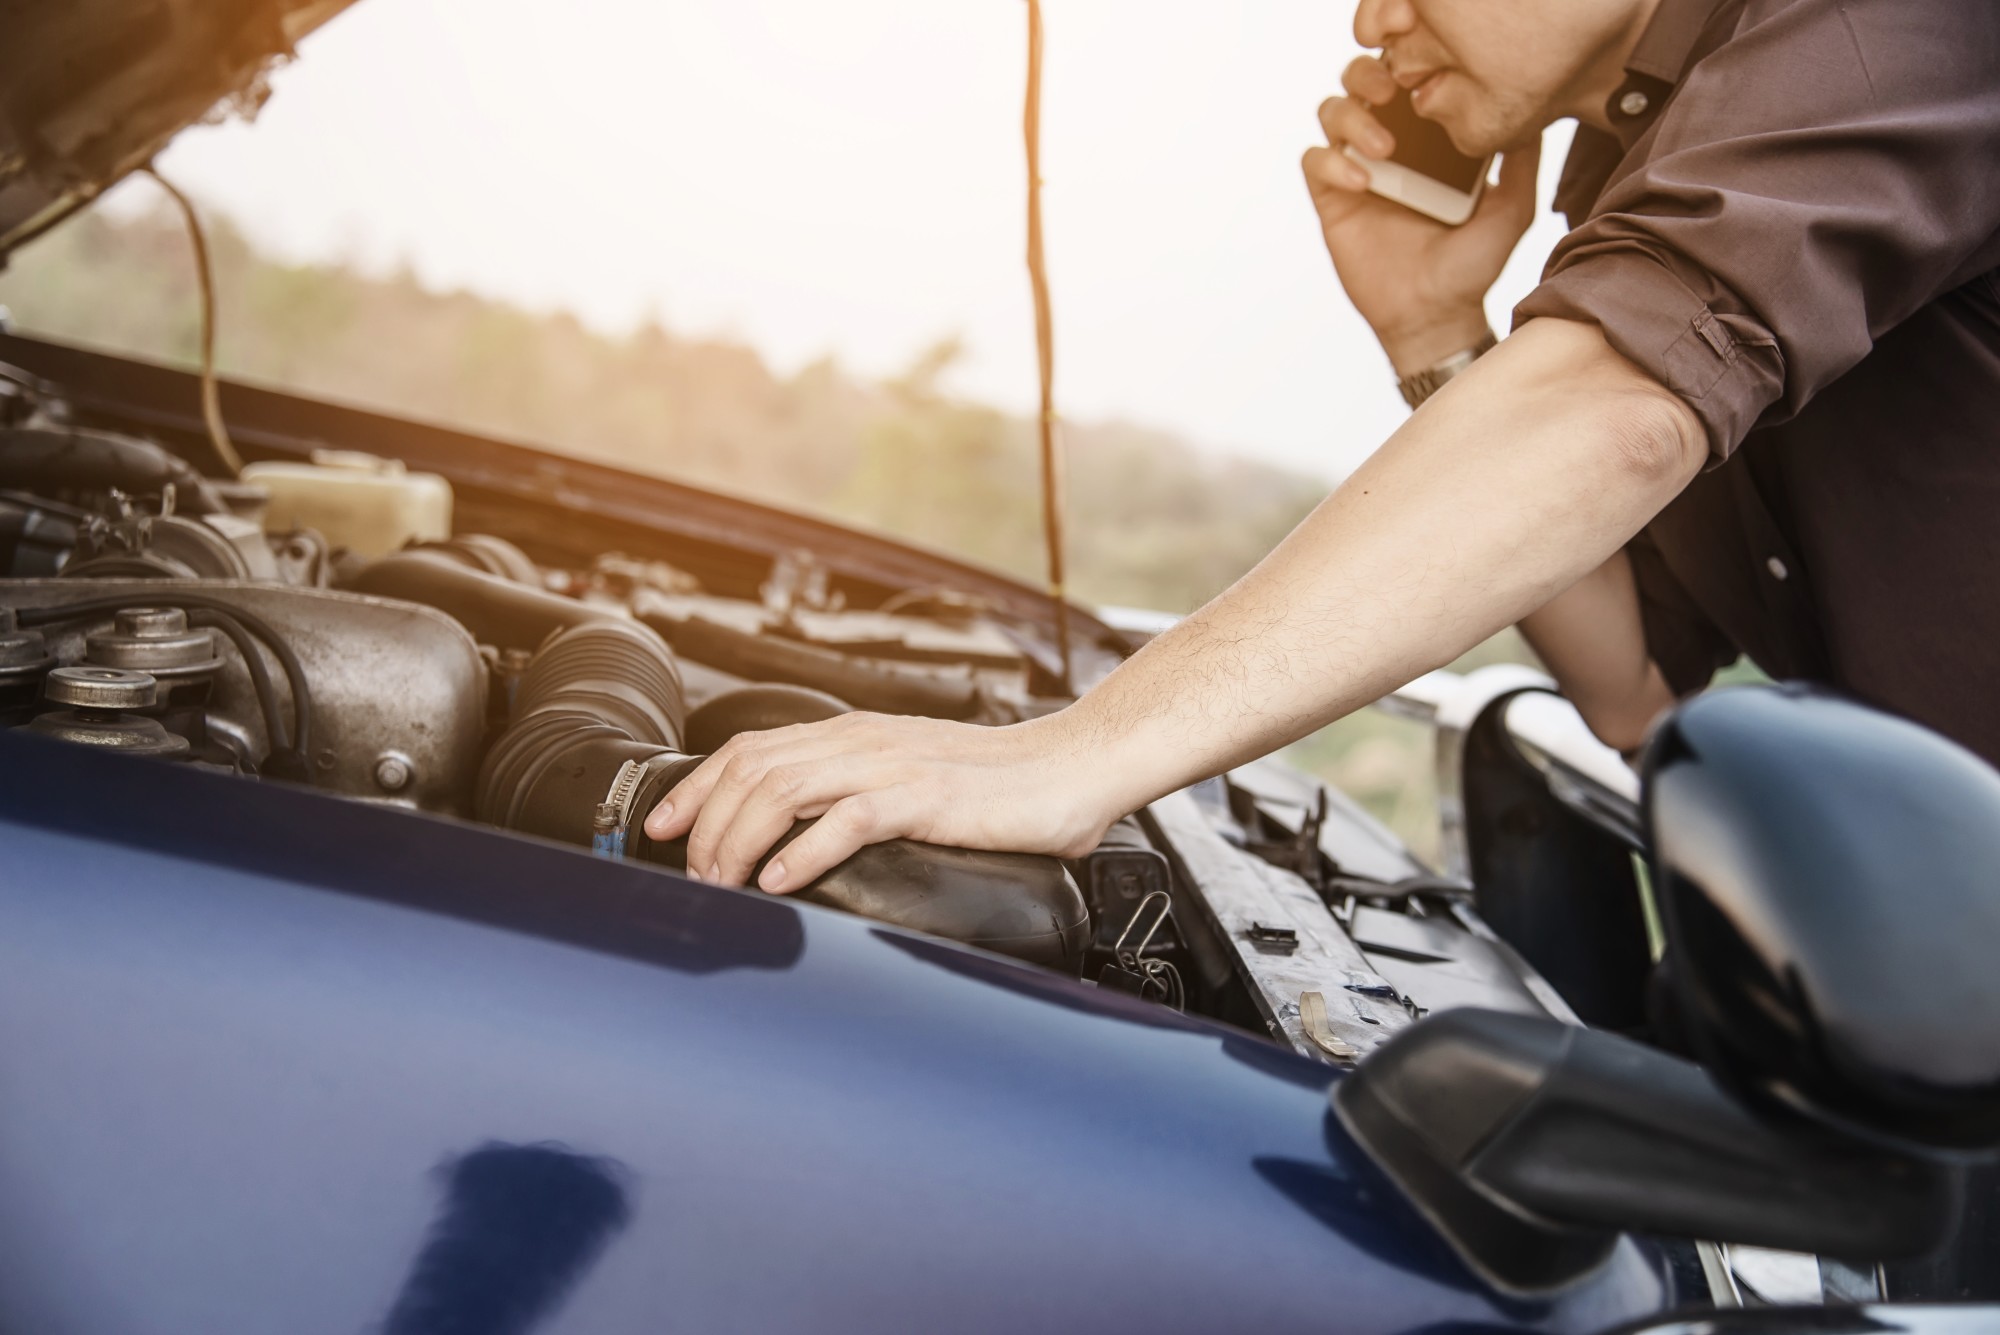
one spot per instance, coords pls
(1592, 639)
(1518, 479)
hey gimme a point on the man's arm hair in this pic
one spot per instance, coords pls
(1520, 478)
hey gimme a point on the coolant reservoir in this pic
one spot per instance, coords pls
(370, 505)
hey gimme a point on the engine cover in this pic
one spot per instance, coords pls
(399, 690)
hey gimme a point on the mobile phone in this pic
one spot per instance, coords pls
(1425, 172)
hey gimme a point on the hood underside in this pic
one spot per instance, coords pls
(92, 89)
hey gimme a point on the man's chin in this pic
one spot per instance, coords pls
(1472, 143)
(1482, 129)
(1458, 120)
(1476, 139)
(1479, 124)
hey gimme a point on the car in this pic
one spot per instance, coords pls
(341, 988)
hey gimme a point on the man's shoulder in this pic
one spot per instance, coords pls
(1897, 46)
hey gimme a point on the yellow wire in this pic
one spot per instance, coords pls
(211, 396)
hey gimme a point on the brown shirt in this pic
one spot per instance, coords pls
(1796, 228)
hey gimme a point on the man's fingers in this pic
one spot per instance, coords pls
(676, 812)
(1328, 168)
(1329, 171)
(848, 825)
(822, 750)
(788, 792)
(1346, 121)
(744, 798)
(743, 772)
(1368, 79)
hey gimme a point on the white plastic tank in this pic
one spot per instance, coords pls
(369, 505)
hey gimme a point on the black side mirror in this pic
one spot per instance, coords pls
(1532, 1144)
(1830, 881)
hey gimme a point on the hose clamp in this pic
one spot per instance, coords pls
(624, 788)
(614, 814)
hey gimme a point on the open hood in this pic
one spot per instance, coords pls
(91, 89)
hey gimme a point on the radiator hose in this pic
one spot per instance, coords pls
(604, 693)
(596, 695)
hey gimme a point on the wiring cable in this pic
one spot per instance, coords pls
(1038, 277)
(211, 394)
(253, 663)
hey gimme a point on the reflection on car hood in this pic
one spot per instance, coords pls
(91, 89)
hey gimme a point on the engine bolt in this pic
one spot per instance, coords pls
(98, 698)
(156, 641)
(392, 772)
(152, 621)
(87, 687)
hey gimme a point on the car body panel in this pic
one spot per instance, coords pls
(246, 1025)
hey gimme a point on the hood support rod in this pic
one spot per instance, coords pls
(1038, 277)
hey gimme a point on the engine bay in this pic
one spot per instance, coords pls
(543, 646)
(322, 623)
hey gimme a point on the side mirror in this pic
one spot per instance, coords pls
(1829, 880)
(1532, 1144)
(1828, 884)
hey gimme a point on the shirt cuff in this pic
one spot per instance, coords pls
(1724, 366)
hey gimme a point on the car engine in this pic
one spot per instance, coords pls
(468, 629)
(323, 624)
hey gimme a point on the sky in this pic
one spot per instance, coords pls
(847, 179)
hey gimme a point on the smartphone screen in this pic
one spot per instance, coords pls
(1424, 147)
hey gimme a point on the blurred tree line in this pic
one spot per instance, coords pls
(1153, 522)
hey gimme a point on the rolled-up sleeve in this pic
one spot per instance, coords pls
(1819, 177)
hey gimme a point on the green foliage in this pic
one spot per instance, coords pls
(1152, 522)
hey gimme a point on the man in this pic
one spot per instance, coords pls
(1755, 405)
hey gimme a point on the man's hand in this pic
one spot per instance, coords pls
(870, 777)
(1420, 284)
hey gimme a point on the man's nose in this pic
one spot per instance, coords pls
(1379, 22)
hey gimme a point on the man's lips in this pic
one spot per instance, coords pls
(1422, 84)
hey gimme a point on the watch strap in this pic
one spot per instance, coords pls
(1416, 388)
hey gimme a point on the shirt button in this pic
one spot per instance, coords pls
(1777, 569)
(1634, 103)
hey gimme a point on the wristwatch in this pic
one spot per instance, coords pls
(1416, 388)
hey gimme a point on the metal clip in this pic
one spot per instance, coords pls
(1273, 940)
(607, 832)
(1166, 907)
(1155, 979)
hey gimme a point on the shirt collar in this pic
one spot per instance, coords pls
(1657, 64)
